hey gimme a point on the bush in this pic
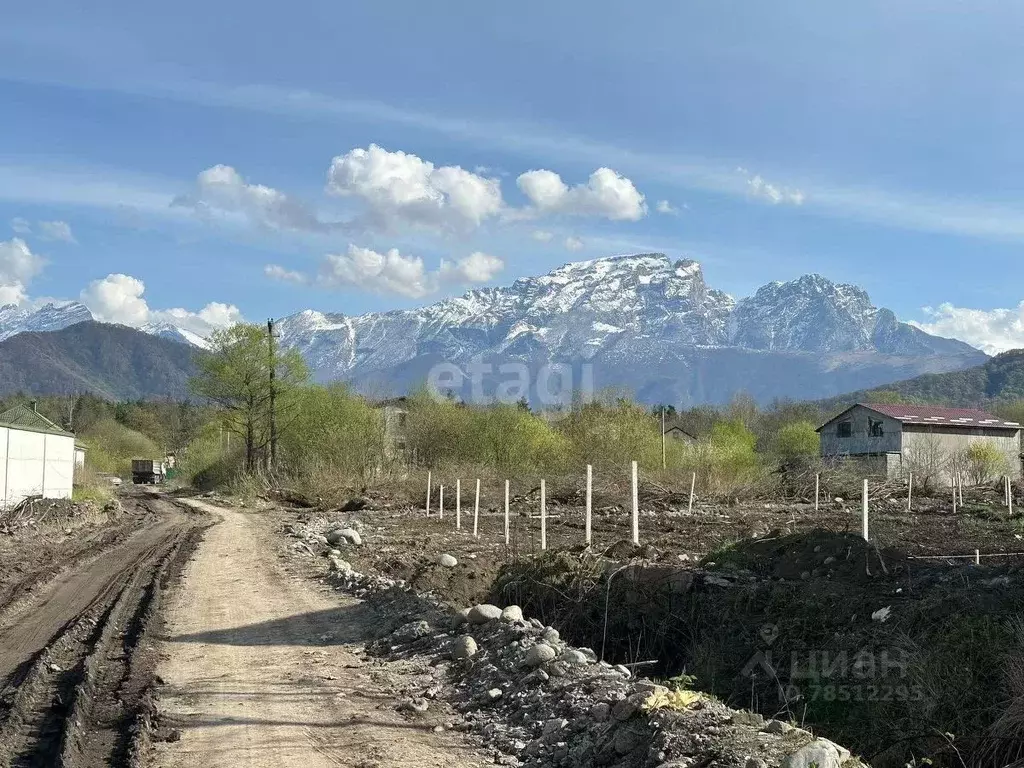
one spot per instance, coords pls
(110, 447)
(797, 441)
(983, 462)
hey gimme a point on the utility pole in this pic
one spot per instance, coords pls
(273, 395)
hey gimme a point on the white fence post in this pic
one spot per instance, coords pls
(506, 513)
(458, 505)
(636, 508)
(440, 503)
(1009, 496)
(543, 517)
(977, 557)
(428, 493)
(865, 509)
(817, 483)
(587, 530)
(476, 509)
(1006, 491)
(910, 489)
(693, 482)
(953, 482)
(960, 485)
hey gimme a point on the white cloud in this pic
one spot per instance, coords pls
(391, 273)
(573, 244)
(994, 330)
(606, 194)
(118, 298)
(476, 268)
(400, 188)
(757, 186)
(21, 226)
(221, 190)
(18, 265)
(542, 236)
(56, 230)
(664, 206)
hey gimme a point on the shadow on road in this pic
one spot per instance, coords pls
(332, 626)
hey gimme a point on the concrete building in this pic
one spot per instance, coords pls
(673, 431)
(37, 458)
(395, 415)
(890, 440)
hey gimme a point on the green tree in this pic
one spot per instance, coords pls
(797, 440)
(235, 375)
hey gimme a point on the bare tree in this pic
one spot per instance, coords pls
(927, 459)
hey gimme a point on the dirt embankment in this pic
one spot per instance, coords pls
(78, 612)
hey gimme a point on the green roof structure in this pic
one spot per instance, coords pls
(28, 418)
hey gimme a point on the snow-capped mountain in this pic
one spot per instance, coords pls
(643, 323)
(49, 317)
(174, 333)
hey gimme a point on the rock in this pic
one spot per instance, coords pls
(460, 618)
(417, 705)
(344, 536)
(600, 711)
(755, 762)
(464, 647)
(354, 504)
(573, 657)
(623, 710)
(557, 669)
(494, 694)
(541, 653)
(512, 613)
(339, 565)
(820, 753)
(626, 740)
(554, 725)
(752, 719)
(447, 561)
(320, 539)
(646, 688)
(333, 552)
(481, 614)
(551, 636)
(411, 632)
(779, 727)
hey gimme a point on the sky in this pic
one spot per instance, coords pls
(204, 162)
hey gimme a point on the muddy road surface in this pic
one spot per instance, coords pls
(76, 654)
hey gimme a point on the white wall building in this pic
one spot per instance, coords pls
(37, 458)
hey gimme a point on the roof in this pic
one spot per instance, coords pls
(933, 414)
(674, 426)
(24, 417)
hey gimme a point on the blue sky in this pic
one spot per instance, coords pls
(240, 160)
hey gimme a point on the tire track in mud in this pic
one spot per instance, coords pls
(76, 662)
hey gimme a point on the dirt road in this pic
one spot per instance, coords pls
(264, 670)
(73, 659)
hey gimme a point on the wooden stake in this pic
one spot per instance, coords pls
(506, 514)
(977, 557)
(960, 486)
(864, 498)
(1009, 496)
(817, 483)
(636, 508)
(458, 505)
(587, 531)
(543, 517)
(476, 509)
(910, 489)
(428, 493)
(440, 503)
(953, 481)
(693, 482)
(663, 465)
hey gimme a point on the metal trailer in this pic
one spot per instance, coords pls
(148, 471)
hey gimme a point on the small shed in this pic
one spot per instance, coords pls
(675, 431)
(37, 458)
(890, 439)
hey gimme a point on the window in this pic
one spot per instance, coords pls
(875, 428)
(401, 418)
(844, 429)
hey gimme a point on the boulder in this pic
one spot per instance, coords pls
(340, 566)
(481, 614)
(411, 632)
(820, 753)
(512, 613)
(573, 657)
(464, 647)
(447, 561)
(541, 653)
(354, 504)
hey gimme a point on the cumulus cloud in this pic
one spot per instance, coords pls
(18, 265)
(222, 191)
(542, 236)
(664, 206)
(391, 272)
(119, 298)
(400, 188)
(993, 331)
(573, 244)
(606, 194)
(56, 230)
(759, 187)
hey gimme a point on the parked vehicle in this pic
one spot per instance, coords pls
(148, 471)
(108, 478)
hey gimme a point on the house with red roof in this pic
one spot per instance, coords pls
(893, 440)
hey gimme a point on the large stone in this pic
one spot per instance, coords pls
(600, 711)
(512, 613)
(464, 647)
(411, 632)
(339, 565)
(481, 614)
(447, 561)
(541, 653)
(623, 710)
(573, 657)
(820, 753)
(626, 740)
(344, 536)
